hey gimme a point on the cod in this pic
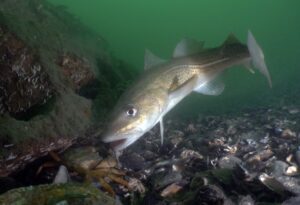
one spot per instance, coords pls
(163, 84)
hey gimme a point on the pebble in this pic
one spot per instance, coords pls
(279, 168)
(162, 180)
(171, 190)
(246, 200)
(62, 175)
(190, 154)
(292, 201)
(287, 133)
(229, 162)
(294, 111)
(133, 161)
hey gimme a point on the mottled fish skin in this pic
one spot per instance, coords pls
(165, 84)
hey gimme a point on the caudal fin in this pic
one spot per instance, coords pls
(257, 57)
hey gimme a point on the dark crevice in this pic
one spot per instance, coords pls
(41, 109)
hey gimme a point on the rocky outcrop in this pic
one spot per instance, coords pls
(52, 67)
(24, 83)
(77, 71)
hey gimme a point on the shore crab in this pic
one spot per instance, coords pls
(87, 162)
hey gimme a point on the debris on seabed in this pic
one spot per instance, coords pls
(248, 158)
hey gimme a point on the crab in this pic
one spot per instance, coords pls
(87, 162)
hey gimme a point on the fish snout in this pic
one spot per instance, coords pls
(115, 140)
(119, 142)
(109, 136)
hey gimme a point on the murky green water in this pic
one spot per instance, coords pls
(131, 26)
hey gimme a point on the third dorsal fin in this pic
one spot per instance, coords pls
(231, 39)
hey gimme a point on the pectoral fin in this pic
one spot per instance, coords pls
(161, 125)
(214, 87)
(177, 94)
(183, 89)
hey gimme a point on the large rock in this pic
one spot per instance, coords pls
(76, 70)
(24, 83)
(51, 65)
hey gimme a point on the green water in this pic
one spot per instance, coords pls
(131, 26)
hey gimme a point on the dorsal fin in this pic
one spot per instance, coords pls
(187, 47)
(231, 39)
(151, 60)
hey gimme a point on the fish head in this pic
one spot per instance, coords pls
(130, 119)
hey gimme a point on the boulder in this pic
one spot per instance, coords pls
(58, 79)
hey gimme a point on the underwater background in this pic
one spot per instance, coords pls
(132, 26)
(64, 63)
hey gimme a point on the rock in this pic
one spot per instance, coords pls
(279, 168)
(277, 131)
(292, 201)
(292, 171)
(190, 154)
(265, 140)
(294, 111)
(191, 128)
(152, 199)
(256, 162)
(77, 70)
(148, 155)
(171, 190)
(199, 180)
(272, 183)
(287, 133)
(224, 176)
(62, 175)
(57, 193)
(8, 183)
(176, 137)
(231, 130)
(297, 157)
(229, 162)
(290, 184)
(246, 200)
(212, 194)
(47, 58)
(24, 83)
(163, 179)
(133, 161)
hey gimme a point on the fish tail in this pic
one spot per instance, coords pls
(257, 57)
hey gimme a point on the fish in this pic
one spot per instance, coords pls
(164, 83)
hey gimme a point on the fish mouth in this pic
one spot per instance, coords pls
(120, 143)
(112, 137)
(117, 143)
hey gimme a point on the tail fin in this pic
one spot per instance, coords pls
(257, 57)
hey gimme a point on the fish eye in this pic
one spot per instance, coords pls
(131, 111)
